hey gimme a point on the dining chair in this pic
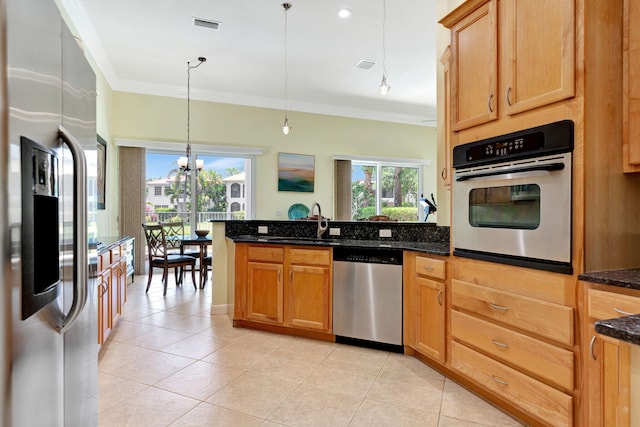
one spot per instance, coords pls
(207, 265)
(174, 230)
(160, 256)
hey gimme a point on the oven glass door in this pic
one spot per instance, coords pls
(514, 211)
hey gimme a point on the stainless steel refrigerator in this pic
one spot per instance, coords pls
(48, 303)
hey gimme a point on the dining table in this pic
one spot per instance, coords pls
(203, 244)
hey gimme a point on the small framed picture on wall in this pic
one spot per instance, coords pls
(296, 172)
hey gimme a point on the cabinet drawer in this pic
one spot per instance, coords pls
(310, 256)
(430, 267)
(541, 401)
(266, 253)
(546, 319)
(104, 261)
(608, 305)
(546, 361)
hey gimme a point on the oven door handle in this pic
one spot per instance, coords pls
(547, 167)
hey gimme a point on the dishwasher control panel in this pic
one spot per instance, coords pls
(368, 255)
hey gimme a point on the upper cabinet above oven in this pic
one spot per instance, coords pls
(509, 57)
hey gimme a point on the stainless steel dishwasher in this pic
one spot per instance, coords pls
(367, 297)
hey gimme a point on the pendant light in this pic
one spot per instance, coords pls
(384, 87)
(285, 127)
(185, 163)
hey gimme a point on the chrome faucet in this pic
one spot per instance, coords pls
(321, 227)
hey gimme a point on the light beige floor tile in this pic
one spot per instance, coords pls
(402, 368)
(425, 397)
(225, 330)
(461, 404)
(150, 407)
(199, 380)
(365, 357)
(196, 346)
(454, 422)
(305, 349)
(192, 324)
(237, 355)
(163, 319)
(115, 390)
(149, 370)
(207, 415)
(126, 330)
(158, 338)
(268, 423)
(379, 414)
(253, 394)
(342, 381)
(311, 406)
(116, 354)
(281, 366)
(268, 340)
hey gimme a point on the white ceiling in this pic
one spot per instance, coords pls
(143, 46)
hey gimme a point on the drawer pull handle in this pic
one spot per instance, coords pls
(498, 380)
(624, 313)
(489, 103)
(440, 297)
(500, 344)
(509, 96)
(279, 275)
(291, 276)
(427, 267)
(498, 307)
(591, 344)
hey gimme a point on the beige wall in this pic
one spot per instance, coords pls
(163, 119)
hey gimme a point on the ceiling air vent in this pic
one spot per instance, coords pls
(207, 23)
(365, 64)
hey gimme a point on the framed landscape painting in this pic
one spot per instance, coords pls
(296, 172)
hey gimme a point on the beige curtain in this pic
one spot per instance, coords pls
(342, 190)
(132, 169)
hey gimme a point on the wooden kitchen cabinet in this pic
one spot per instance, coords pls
(309, 297)
(513, 333)
(111, 280)
(265, 287)
(284, 285)
(425, 304)
(631, 86)
(607, 359)
(509, 57)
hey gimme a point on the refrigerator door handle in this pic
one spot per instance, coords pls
(81, 245)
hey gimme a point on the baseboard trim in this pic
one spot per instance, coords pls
(219, 308)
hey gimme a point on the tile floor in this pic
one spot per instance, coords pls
(169, 362)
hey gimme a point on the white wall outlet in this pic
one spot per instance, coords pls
(385, 233)
(263, 229)
(334, 231)
(278, 213)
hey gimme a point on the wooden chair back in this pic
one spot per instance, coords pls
(154, 234)
(173, 233)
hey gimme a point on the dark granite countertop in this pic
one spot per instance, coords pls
(623, 328)
(433, 248)
(624, 278)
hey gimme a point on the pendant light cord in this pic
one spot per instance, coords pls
(384, 48)
(286, 7)
(201, 59)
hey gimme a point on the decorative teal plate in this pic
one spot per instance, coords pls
(298, 210)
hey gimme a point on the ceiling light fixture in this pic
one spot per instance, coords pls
(344, 13)
(285, 127)
(185, 163)
(384, 87)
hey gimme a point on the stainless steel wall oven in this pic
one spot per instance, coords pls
(512, 198)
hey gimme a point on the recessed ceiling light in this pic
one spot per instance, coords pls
(365, 64)
(344, 13)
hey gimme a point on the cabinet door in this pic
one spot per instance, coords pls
(539, 50)
(474, 68)
(104, 319)
(631, 86)
(122, 283)
(309, 297)
(265, 292)
(430, 330)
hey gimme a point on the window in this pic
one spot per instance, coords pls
(379, 188)
(235, 190)
(196, 196)
(235, 207)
